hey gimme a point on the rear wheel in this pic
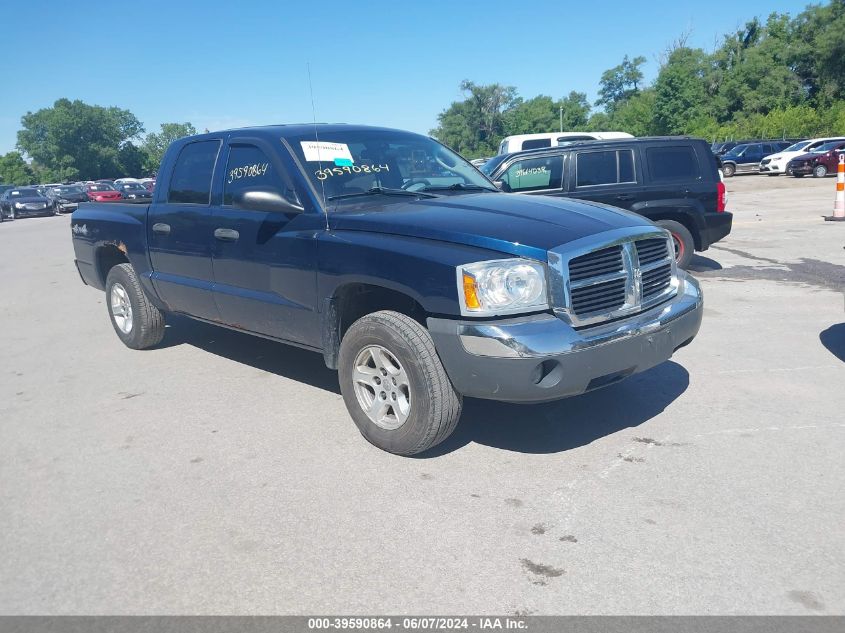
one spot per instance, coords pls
(729, 169)
(395, 386)
(136, 321)
(819, 171)
(682, 239)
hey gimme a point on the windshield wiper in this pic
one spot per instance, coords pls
(384, 191)
(458, 186)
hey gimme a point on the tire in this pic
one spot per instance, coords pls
(684, 244)
(729, 169)
(145, 321)
(819, 171)
(433, 405)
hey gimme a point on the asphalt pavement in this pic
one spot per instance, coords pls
(220, 473)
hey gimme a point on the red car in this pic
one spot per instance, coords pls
(103, 193)
(820, 162)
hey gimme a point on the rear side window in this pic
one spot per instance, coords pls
(191, 180)
(672, 163)
(609, 167)
(535, 143)
(533, 174)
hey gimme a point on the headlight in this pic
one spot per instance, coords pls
(132, 195)
(19, 205)
(502, 286)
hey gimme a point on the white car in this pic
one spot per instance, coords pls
(775, 164)
(519, 142)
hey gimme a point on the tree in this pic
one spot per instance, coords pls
(155, 144)
(74, 139)
(680, 94)
(14, 170)
(475, 125)
(576, 111)
(620, 83)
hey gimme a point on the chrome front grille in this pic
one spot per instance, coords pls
(597, 280)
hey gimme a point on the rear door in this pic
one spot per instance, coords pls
(610, 176)
(179, 232)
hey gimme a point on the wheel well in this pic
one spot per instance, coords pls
(356, 300)
(684, 219)
(108, 257)
(350, 303)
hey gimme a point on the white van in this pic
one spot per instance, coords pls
(519, 142)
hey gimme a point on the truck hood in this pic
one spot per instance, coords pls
(521, 225)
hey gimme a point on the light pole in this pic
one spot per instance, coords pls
(561, 118)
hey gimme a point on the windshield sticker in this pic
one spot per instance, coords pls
(322, 174)
(343, 162)
(247, 171)
(325, 152)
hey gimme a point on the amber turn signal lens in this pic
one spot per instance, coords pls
(471, 293)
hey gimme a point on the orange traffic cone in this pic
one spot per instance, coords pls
(839, 204)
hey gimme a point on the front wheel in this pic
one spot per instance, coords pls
(136, 321)
(394, 385)
(682, 239)
(728, 169)
(819, 171)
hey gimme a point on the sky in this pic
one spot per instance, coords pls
(398, 64)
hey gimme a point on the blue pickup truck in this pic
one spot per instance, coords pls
(397, 260)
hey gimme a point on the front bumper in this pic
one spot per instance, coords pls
(770, 168)
(542, 358)
(800, 168)
(67, 207)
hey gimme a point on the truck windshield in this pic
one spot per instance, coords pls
(375, 161)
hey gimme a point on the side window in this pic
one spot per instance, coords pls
(536, 143)
(534, 174)
(191, 180)
(249, 168)
(672, 163)
(609, 167)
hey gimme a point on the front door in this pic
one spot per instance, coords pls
(179, 233)
(264, 261)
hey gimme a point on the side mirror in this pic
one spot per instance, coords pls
(265, 200)
(501, 185)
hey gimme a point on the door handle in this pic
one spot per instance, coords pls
(226, 235)
(161, 229)
(624, 196)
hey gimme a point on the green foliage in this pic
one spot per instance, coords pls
(73, 138)
(620, 83)
(155, 144)
(782, 77)
(475, 125)
(14, 170)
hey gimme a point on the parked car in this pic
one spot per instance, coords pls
(820, 161)
(66, 198)
(673, 181)
(520, 142)
(778, 163)
(149, 184)
(20, 201)
(400, 262)
(134, 192)
(746, 158)
(101, 192)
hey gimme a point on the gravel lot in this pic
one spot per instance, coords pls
(221, 473)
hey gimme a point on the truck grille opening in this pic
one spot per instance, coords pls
(603, 297)
(656, 281)
(650, 251)
(603, 262)
(619, 280)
